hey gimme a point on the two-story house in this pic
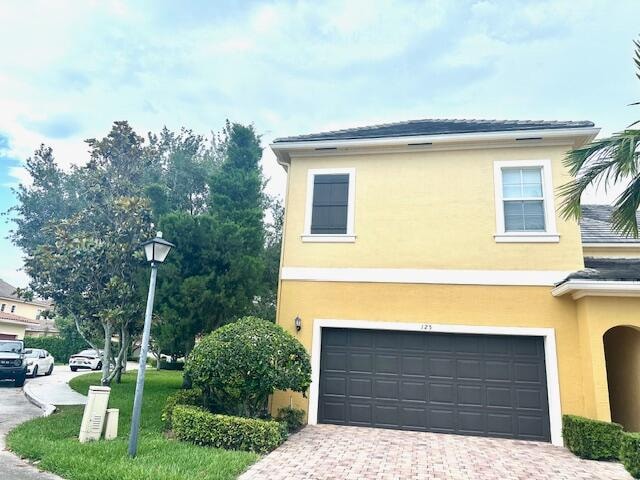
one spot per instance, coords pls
(437, 288)
(20, 317)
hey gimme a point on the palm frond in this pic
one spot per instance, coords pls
(605, 161)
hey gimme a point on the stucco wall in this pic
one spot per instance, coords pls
(12, 329)
(445, 304)
(596, 315)
(426, 210)
(622, 353)
(23, 309)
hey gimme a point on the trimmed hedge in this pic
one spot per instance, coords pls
(292, 417)
(592, 439)
(192, 396)
(630, 453)
(59, 347)
(196, 425)
(164, 365)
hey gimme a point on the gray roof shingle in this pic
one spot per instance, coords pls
(435, 127)
(595, 225)
(9, 291)
(611, 269)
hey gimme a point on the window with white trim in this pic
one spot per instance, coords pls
(330, 205)
(524, 201)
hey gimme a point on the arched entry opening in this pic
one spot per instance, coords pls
(622, 354)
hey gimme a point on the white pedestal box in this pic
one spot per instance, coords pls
(94, 414)
(111, 424)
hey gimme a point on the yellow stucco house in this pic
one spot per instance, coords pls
(20, 317)
(437, 288)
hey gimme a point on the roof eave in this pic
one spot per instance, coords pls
(578, 137)
(579, 288)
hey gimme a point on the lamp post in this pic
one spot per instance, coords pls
(156, 251)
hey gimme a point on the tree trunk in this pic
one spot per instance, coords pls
(158, 359)
(106, 354)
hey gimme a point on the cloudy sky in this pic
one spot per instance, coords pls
(68, 69)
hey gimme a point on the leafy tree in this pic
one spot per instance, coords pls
(609, 160)
(239, 365)
(85, 255)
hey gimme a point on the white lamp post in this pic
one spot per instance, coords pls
(156, 251)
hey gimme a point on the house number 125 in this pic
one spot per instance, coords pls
(426, 326)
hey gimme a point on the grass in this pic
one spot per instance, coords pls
(52, 441)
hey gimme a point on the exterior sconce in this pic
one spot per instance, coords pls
(298, 323)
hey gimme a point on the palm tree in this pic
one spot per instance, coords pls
(609, 160)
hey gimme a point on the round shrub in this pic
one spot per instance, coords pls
(239, 365)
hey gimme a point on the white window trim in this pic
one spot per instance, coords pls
(550, 353)
(348, 237)
(550, 235)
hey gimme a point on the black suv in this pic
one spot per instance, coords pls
(12, 363)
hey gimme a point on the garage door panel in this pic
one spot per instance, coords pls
(442, 393)
(471, 395)
(335, 386)
(361, 362)
(413, 391)
(486, 385)
(471, 422)
(413, 365)
(499, 397)
(498, 371)
(387, 415)
(528, 372)
(386, 390)
(361, 387)
(441, 367)
(361, 414)
(387, 364)
(470, 369)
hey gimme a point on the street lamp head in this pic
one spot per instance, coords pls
(157, 249)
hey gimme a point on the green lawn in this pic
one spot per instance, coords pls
(53, 441)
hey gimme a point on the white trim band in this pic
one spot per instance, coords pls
(612, 245)
(551, 357)
(410, 275)
(579, 288)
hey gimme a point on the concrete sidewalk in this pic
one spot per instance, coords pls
(54, 390)
(14, 410)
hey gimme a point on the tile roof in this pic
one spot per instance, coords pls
(611, 269)
(16, 318)
(595, 225)
(9, 291)
(435, 127)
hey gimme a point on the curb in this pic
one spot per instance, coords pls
(47, 408)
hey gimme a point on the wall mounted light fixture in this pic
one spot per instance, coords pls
(298, 323)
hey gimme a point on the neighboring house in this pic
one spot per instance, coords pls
(438, 289)
(14, 326)
(30, 310)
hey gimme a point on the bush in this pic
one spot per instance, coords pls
(196, 425)
(592, 439)
(292, 417)
(630, 453)
(239, 365)
(164, 365)
(61, 348)
(182, 397)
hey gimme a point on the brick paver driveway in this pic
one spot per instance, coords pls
(332, 452)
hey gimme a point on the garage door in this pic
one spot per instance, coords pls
(6, 336)
(488, 385)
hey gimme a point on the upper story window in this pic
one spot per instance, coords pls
(2, 307)
(330, 206)
(13, 308)
(524, 202)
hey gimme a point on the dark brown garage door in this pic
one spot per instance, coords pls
(488, 385)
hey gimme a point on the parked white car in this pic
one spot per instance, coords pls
(90, 359)
(39, 362)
